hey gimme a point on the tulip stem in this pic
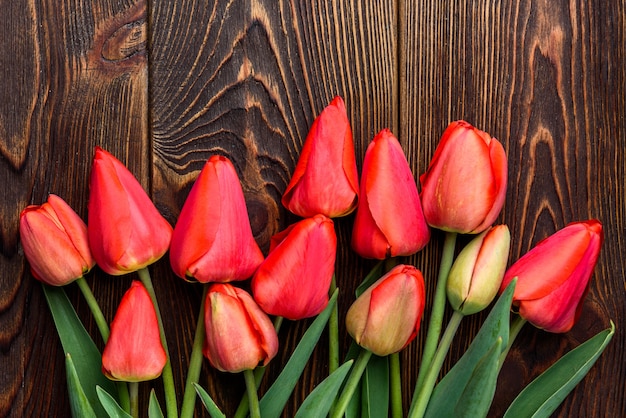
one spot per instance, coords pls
(101, 323)
(195, 362)
(244, 405)
(251, 389)
(421, 402)
(515, 328)
(438, 308)
(134, 399)
(351, 384)
(167, 375)
(333, 333)
(396, 385)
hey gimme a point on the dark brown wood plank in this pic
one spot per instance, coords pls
(246, 79)
(74, 75)
(539, 76)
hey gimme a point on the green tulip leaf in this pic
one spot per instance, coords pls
(320, 400)
(110, 405)
(154, 409)
(448, 393)
(78, 344)
(78, 400)
(478, 394)
(208, 402)
(274, 400)
(544, 394)
(375, 388)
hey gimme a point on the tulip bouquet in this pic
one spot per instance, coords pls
(247, 294)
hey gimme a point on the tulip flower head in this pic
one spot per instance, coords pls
(212, 240)
(55, 242)
(294, 279)
(464, 188)
(476, 275)
(553, 277)
(389, 221)
(325, 180)
(239, 335)
(126, 231)
(386, 317)
(134, 352)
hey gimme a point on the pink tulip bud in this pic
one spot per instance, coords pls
(55, 242)
(239, 335)
(126, 231)
(325, 180)
(294, 279)
(389, 220)
(386, 317)
(464, 188)
(476, 275)
(212, 240)
(553, 277)
(134, 352)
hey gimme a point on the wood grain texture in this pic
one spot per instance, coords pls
(165, 84)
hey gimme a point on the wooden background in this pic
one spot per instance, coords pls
(165, 84)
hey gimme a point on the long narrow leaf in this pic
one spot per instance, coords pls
(320, 400)
(81, 408)
(112, 408)
(447, 393)
(544, 394)
(208, 402)
(76, 341)
(274, 400)
(478, 394)
(154, 408)
(375, 388)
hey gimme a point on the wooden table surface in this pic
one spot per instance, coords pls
(165, 84)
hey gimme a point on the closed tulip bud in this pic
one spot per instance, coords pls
(126, 231)
(389, 221)
(476, 275)
(239, 335)
(325, 180)
(294, 279)
(212, 240)
(55, 242)
(464, 188)
(553, 277)
(386, 317)
(134, 352)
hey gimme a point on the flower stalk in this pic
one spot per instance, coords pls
(195, 362)
(430, 377)
(168, 376)
(439, 304)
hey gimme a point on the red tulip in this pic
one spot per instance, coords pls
(464, 188)
(126, 231)
(294, 279)
(387, 316)
(134, 352)
(239, 335)
(212, 240)
(553, 277)
(325, 180)
(389, 220)
(55, 242)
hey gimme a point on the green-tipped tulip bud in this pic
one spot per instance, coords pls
(477, 272)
